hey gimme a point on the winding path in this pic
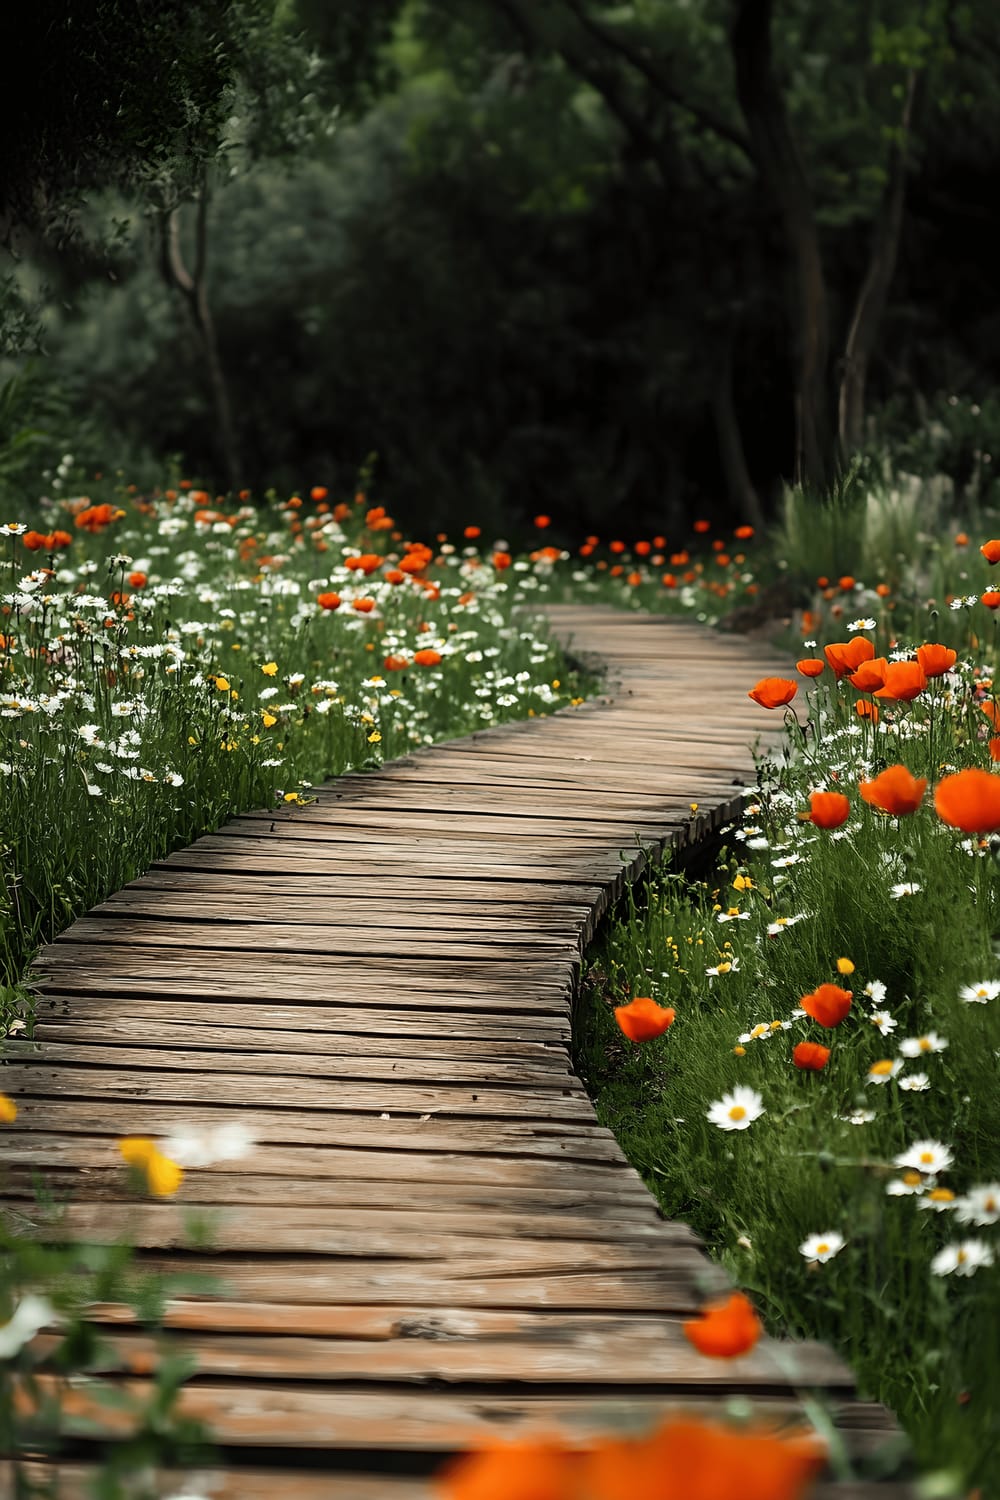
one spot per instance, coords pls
(432, 1238)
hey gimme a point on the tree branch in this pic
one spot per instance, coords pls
(643, 61)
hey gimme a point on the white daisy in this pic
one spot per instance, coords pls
(978, 994)
(738, 1110)
(915, 1083)
(884, 1022)
(910, 1183)
(858, 1117)
(732, 915)
(200, 1148)
(30, 1316)
(863, 624)
(785, 860)
(728, 966)
(917, 1046)
(938, 1200)
(876, 991)
(964, 1258)
(780, 923)
(904, 888)
(883, 1070)
(822, 1247)
(980, 1205)
(925, 1156)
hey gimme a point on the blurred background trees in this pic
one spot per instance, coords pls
(616, 262)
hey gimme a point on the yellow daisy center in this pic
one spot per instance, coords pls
(822, 1248)
(737, 1112)
(880, 1069)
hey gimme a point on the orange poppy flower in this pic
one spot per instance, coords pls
(828, 1004)
(810, 1056)
(316, 493)
(936, 660)
(846, 656)
(395, 575)
(60, 540)
(726, 1328)
(363, 606)
(669, 581)
(828, 809)
(679, 559)
(522, 1469)
(694, 1460)
(642, 1019)
(501, 560)
(810, 666)
(36, 541)
(904, 681)
(870, 675)
(866, 710)
(642, 549)
(341, 511)
(542, 521)
(969, 800)
(427, 657)
(895, 791)
(994, 746)
(471, 532)
(396, 663)
(773, 692)
(702, 526)
(744, 533)
(846, 583)
(991, 552)
(991, 599)
(883, 590)
(138, 580)
(328, 601)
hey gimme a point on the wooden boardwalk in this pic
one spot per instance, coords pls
(431, 1238)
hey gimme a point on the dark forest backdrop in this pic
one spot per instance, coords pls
(597, 260)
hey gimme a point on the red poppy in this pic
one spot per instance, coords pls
(522, 1469)
(59, 540)
(316, 493)
(991, 551)
(969, 800)
(895, 791)
(828, 1004)
(643, 549)
(810, 1056)
(138, 580)
(427, 657)
(870, 675)
(846, 656)
(904, 681)
(744, 533)
(991, 599)
(542, 521)
(702, 526)
(642, 1019)
(328, 601)
(810, 666)
(936, 660)
(501, 560)
(36, 541)
(773, 692)
(396, 663)
(471, 532)
(866, 710)
(726, 1328)
(363, 606)
(828, 809)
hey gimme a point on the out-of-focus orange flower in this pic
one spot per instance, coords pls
(828, 809)
(726, 1328)
(743, 533)
(396, 663)
(991, 552)
(679, 559)
(809, 622)
(642, 1019)
(904, 681)
(642, 549)
(501, 560)
(883, 590)
(318, 492)
(366, 563)
(895, 791)
(991, 599)
(702, 526)
(961, 539)
(828, 1004)
(59, 540)
(542, 522)
(773, 692)
(471, 532)
(969, 800)
(845, 657)
(994, 743)
(688, 1459)
(810, 666)
(524, 1469)
(328, 600)
(363, 606)
(427, 657)
(870, 675)
(395, 575)
(846, 583)
(341, 511)
(634, 580)
(35, 541)
(616, 547)
(96, 517)
(669, 581)
(138, 580)
(810, 1056)
(936, 660)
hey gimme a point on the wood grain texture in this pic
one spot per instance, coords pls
(429, 1238)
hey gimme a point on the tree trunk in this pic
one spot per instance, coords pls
(874, 294)
(782, 172)
(193, 287)
(739, 486)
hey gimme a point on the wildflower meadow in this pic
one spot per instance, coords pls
(798, 1050)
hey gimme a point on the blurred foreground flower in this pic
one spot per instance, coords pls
(30, 1316)
(642, 1019)
(163, 1176)
(685, 1459)
(726, 1328)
